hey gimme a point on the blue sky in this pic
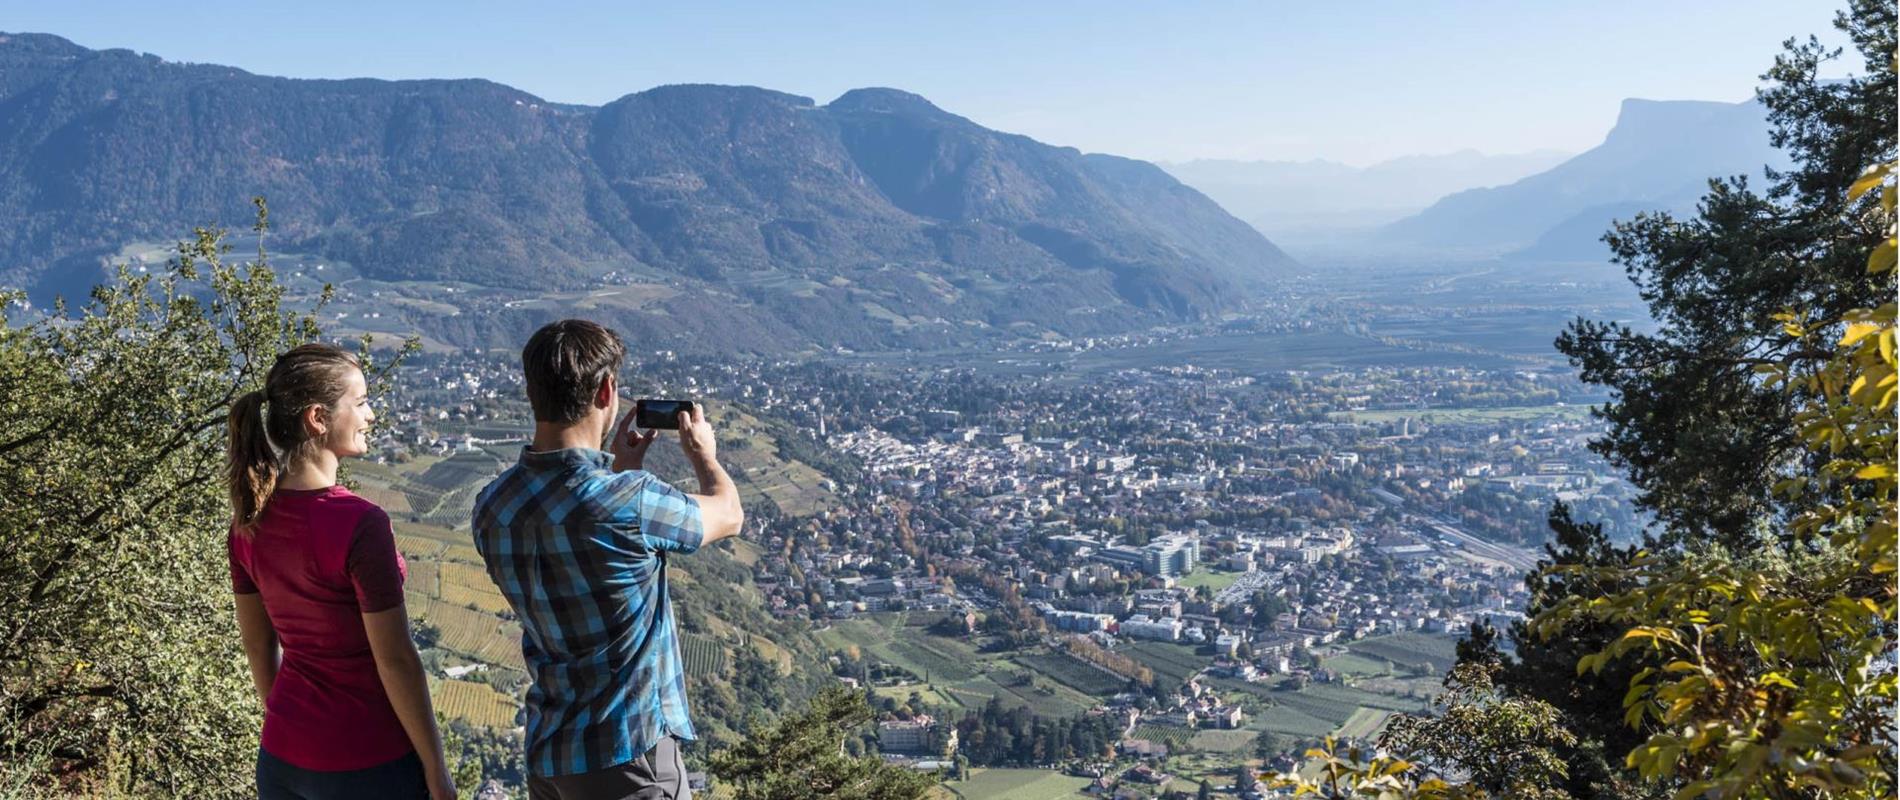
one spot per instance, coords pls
(1354, 82)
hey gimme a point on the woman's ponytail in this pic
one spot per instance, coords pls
(251, 461)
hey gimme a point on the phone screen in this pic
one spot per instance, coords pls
(659, 414)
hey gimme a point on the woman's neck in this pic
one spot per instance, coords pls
(316, 471)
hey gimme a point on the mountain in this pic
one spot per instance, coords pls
(1299, 197)
(1659, 156)
(878, 220)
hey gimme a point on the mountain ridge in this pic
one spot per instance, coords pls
(1659, 155)
(813, 217)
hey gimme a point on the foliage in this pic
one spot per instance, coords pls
(1352, 776)
(803, 756)
(1777, 672)
(1543, 668)
(1759, 424)
(120, 670)
(1506, 745)
(1703, 439)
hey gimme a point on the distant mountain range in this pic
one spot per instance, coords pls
(1296, 198)
(1659, 156)
(779, 222)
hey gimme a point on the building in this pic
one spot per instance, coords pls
(1140, 626)
(1171, 556)
(920, 735)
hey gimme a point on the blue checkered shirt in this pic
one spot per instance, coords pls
(580, 552)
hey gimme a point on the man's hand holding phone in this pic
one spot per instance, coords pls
(696, 438)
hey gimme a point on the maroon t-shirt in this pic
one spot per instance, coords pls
(320, 559)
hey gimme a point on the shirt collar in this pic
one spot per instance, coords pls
(571, 457)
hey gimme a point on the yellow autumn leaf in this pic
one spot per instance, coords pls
(1857, 331)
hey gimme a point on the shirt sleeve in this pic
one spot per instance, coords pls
(241, 582)
(669, 518)
(376, 570)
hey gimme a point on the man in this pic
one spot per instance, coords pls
(578, 540)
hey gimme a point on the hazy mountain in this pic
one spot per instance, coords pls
(1290, 197)
(878, 219)
(1660, 155)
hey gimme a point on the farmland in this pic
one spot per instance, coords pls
(1017, 784)
(1413, 650)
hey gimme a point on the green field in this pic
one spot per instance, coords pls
(1073, 672)
(1169, 735)
(955, 670)
(1173, 663)
(1355, 664)
(1017, 784)
(1223, 741)
(1363, 724)
(1412, 650)
(1212, 579)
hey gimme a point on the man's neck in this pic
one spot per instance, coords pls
(549, 436)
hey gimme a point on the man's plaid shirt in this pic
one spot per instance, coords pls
(580, 552)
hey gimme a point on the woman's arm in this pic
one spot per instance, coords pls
(408, 688)
(260, 643)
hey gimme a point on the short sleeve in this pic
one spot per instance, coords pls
(234, 548)
(669, 518)
(376, 570)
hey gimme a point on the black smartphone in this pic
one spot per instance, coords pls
(660, 414)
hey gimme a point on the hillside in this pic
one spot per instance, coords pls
(878, 220)
(1659, 156)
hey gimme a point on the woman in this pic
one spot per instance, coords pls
(319, 596)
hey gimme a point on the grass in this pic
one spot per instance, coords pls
(1223, 741)
(1017, 784)
(1213, 580)
(1355, 664)
(1364, 723)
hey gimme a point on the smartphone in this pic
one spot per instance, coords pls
(660, 414)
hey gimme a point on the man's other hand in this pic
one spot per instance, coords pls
(629, 446)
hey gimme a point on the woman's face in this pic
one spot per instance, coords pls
(348, 433)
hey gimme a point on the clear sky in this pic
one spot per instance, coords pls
(1356, 82)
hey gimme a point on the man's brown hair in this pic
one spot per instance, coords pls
(564, 364)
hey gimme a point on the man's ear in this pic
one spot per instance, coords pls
(604, 396)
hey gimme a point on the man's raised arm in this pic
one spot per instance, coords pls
(719, 504)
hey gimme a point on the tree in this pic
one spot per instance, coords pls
(1267, 745)
(1204, 792)
(120, 668)
(802, 756)
(1760, 424)
(1772, 680)
(1543, 668)
(1506, 745)
(1702, 437)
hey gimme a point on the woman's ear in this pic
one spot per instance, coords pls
(316, 421)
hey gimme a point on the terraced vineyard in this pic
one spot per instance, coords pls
(478, 703)
(704, 655)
